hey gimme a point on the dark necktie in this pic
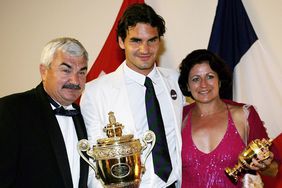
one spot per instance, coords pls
(161, 158)
(61, 111)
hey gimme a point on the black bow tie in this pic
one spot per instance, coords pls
(61, 111)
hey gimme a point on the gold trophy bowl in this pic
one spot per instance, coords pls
(118, 157)
(254, 148)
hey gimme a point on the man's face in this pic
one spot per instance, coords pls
(141, 47)
(65, 79)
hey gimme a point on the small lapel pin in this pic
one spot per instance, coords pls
(173, 94)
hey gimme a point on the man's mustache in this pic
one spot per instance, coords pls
(72, 86)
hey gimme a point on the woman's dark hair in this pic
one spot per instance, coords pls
(216, 64)
(139, 13)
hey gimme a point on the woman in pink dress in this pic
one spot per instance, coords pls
(215, 131)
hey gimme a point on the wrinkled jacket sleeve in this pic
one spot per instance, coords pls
(256, 125)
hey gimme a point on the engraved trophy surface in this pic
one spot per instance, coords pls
(118, 157)
(254, 148)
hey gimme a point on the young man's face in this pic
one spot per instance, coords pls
(141, 46)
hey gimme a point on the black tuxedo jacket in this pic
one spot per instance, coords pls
(32, 148)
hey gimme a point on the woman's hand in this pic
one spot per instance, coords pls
(262, 161)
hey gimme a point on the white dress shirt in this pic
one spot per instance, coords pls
(70, 137)
(136, 91)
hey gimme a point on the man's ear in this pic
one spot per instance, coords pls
(121, 43)
(43, 71)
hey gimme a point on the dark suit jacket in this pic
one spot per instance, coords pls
(32, 148)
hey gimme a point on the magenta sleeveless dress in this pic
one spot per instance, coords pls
(201, 170)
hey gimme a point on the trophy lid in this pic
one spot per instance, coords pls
(114, 132)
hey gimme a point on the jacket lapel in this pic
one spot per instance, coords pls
(58, 143)
(119, 97)
(170, 82)
(52, 127)
(81, 134)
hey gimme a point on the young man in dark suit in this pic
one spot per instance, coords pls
(39, 128)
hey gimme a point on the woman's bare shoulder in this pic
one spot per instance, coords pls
(237, 113)
(239, 119)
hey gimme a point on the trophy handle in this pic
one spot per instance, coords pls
(149, 137)
(83, 145)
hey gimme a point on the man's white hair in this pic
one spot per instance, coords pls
(68, 45)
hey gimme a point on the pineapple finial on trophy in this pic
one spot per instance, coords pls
(113, 129)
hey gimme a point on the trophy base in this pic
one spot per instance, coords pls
(132, 184)
(232, 175)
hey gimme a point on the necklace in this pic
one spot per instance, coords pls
(202, 115)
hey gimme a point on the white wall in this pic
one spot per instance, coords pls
(27, 25)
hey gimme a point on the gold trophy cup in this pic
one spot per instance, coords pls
(118, 157)
(255, 148)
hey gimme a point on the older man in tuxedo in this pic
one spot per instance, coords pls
(39, 128)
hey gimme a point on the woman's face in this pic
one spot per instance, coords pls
(203, 83)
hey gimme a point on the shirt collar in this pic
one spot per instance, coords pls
(56, 104)
(140, 78)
